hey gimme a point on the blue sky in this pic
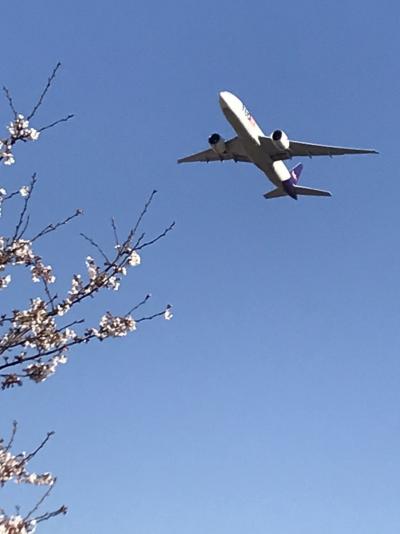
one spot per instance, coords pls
(271, 401)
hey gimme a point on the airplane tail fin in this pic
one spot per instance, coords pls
(295, 173)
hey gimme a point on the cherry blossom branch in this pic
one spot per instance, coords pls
(19, 128)
(14, 467)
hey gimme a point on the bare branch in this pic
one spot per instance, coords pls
(23, 212)
(141, 303)
(97, 246)
(143, 213)
(48, 515)
(51, 125)
(52, 227)
(39, 447)
(114, 227)
(163, 234)
(12, 437)
(10, 100)
(44, 92)
(40, 501)
(151, 317)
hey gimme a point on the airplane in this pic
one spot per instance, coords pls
(266, 152)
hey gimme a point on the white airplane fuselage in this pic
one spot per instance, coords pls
(249, 132)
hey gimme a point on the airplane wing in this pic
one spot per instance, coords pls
(297, 148)
(233, 150)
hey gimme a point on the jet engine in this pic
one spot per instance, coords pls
(217, 143)
(280, 140)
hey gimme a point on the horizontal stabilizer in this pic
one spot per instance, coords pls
(279, 192)
(297, 190)
(309, 191)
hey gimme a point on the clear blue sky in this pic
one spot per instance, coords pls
(271, 402)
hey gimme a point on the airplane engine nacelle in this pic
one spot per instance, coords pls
(280, 140)
(217, 143)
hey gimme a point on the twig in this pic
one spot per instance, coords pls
(62, 510)
(52, 227)
(143, 213)
(48, 294)
(114, 227)
(23, 212)
(34, 453)
(64, 119)
(97, 246)
(44, 92)
(11, 195)
(11, 440)
(156, 238)
(150, 317)
(10, 101)
(141, 303)
(40, 501)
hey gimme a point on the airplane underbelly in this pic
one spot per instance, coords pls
(263, 161)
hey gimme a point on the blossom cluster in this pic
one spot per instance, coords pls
(39, 345)
(18, 129)
(16, 524)
(14, 468)
(113, 326)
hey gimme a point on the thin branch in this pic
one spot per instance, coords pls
(52, 227)
(44, 92)
(97, 246)
(38, 448)
(10, 101)
(141, 303)
(40, 501)
(11, 195)
(114, 227)
(12, 437)
(48, 126)
(24, 229)
(23, 212)
(143, 213)
(166, 231)
(48, 294)
(48, 515)
(150, 317)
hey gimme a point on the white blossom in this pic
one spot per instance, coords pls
(4, 281)
(34, 135)
(134, 258)
(113, 283)
(24, 191)
(168, 313)
(63, 308)
(92, 268)
(8, 158)
(42, 272)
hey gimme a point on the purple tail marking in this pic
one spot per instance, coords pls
(295, 173)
